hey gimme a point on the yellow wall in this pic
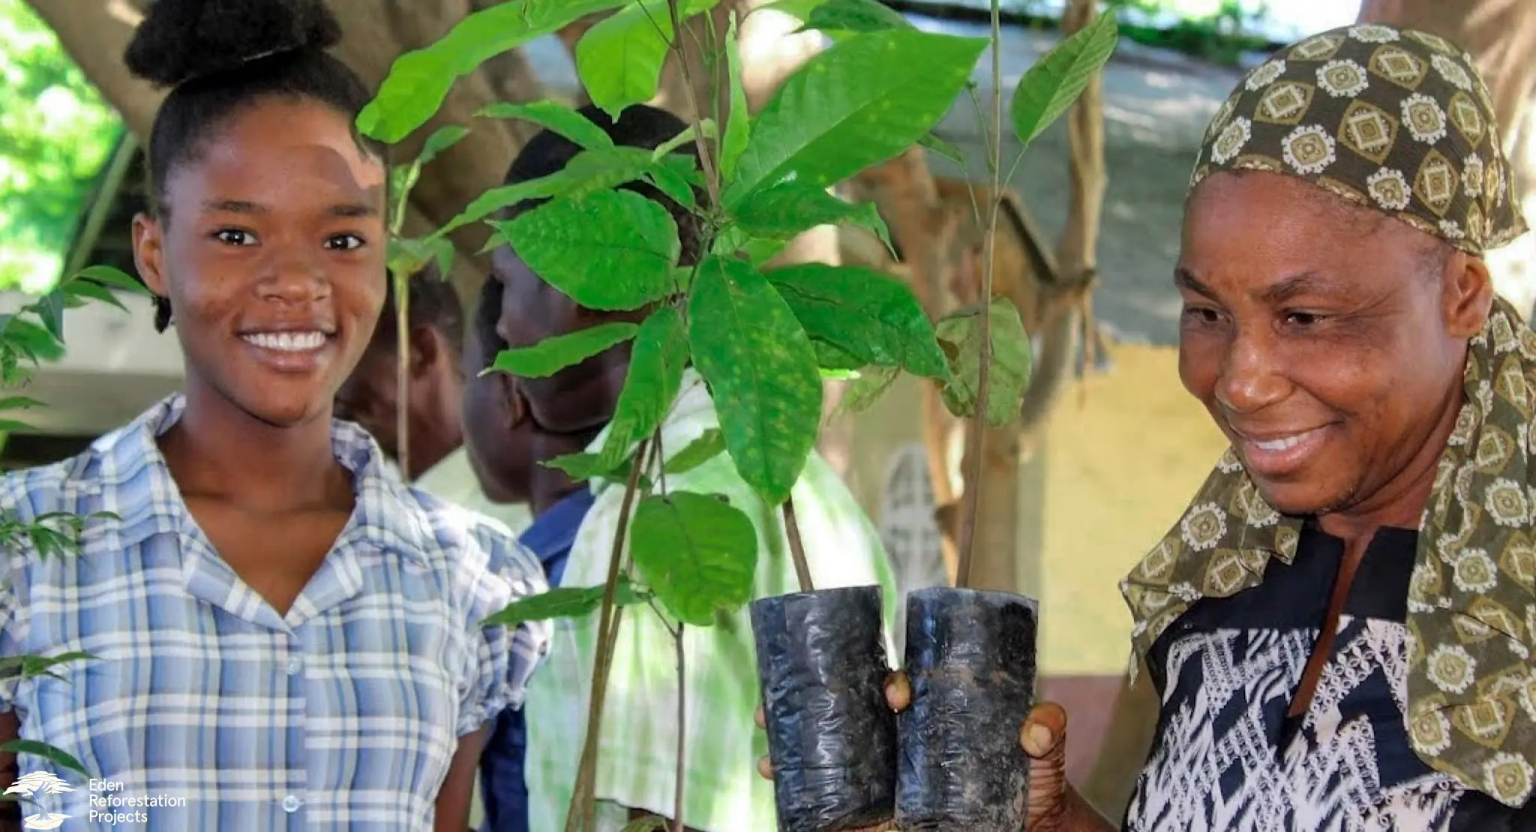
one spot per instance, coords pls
(1118, 468)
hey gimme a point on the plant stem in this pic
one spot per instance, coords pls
(682, 731)
(583, 810)
(797, 546)
(706, 162)
(403, 373)
(976, 442)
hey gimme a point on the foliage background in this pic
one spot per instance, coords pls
(55, 133)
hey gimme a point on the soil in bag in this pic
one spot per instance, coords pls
(970, 656)
(822, 665)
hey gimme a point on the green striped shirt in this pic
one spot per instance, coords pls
(637, 763)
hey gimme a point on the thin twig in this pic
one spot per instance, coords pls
(682, 732)
(976, 442)
(403, 373)
(711, 173)
(797, 546)
(583, 810)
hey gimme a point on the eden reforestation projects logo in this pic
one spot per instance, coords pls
(110, 804)
(34, 787)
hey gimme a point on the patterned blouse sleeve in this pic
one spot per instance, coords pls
(501, 659)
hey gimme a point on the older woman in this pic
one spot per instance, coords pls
(1341, 625)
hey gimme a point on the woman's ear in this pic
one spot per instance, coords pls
(1467, 294)
(149, 253)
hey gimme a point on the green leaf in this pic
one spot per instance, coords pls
(832, 357)
(872, 317)
(19, 403)
(441, 139)
(409, 256)
(552, 355)
(50, 310)
(14, 426)
(619, 60)
(738, 125)
(554, 117)
(588, 172)
(112, 278)
(761, 251)
(688, 136)
(859, 103)
(419, 80)
(708, 446)
(76, 291)
(656, 365)
(762, 371)
(942, 147)
(960, 337)
(562, 602)
(854, 16)
(785, 210)
(609, 250)
(53, 755)
(697, 552)
(867, 389)
(1055, 81)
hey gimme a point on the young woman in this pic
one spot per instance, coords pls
(283, 635)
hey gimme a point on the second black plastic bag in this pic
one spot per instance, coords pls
(970, 656)
(821, 661)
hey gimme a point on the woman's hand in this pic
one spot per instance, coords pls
(1043, 737)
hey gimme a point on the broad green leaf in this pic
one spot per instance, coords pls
(554, 117)
(831, 357)
(53, 755)
(609, 250)
(868, 315)
(656, 365)
(867, 389)
(943, 147)
(688, 136)
(696, 551)
(1055, 81)
(960, 336)
(708, 446)
(50, 310)
(859, 103)
(761, 251)
(562, 602)
(14, 426)
(785, 210)
(441, 139)
(588, 172)
(854, 16)
(762, 370)
(32, 340)
(112, 278)
(419, 80)
(738, 125)
(552, 355)
(619, 60)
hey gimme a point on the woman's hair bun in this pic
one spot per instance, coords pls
(184, 39)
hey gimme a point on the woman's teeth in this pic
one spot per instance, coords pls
(287, 341)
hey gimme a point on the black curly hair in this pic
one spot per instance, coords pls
(219, 57)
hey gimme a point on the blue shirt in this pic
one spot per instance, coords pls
(206, 709)
(502, 786)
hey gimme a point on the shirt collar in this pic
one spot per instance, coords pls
(133, 481)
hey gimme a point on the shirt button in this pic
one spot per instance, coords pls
(295, 664)
(291, 803)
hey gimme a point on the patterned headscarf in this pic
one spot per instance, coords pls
(1399, 121)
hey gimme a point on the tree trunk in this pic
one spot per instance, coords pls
(1501, 35)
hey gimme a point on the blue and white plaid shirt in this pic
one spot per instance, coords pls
(204, 709)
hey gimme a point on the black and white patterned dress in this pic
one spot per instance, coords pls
(1226, 758)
